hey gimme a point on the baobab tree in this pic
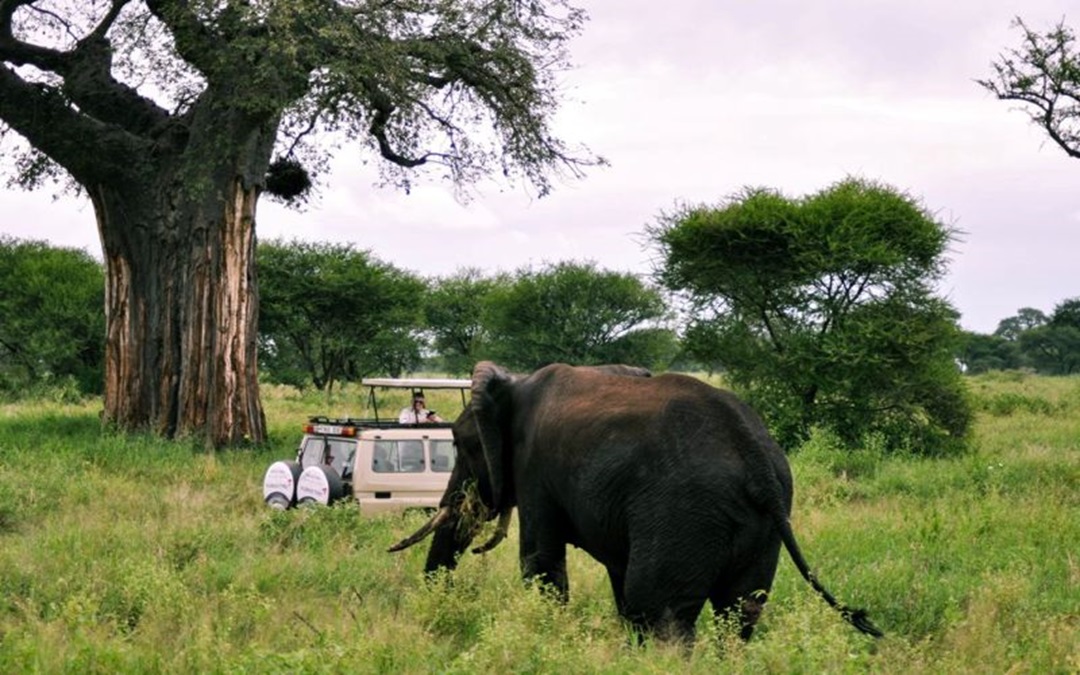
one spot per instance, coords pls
(174, 116)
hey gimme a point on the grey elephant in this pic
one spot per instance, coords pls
(674, 486)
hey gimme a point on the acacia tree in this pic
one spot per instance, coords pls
(979, 353)
(331, 312)
(1026, 318)
(1053, 347)
(576, 313)
(1043, 74)
(166, 113)
(822, 310)
(455, 310)
(51, 319)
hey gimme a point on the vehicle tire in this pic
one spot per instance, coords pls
(279, 484)
(319, 485)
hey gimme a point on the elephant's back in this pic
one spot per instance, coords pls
(669, 439)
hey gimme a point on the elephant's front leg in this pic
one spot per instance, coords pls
(543, 555)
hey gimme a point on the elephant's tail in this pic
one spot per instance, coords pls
(856, 617)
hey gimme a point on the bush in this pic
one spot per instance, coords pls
(52, 320)
(1009, 403)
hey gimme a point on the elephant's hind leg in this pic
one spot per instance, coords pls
(664, 598)
(744, 593)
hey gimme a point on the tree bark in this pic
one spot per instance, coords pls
(181, 312)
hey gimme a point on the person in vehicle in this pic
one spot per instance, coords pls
(418, 412)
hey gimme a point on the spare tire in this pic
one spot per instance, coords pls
(319, 485)
(279, 484)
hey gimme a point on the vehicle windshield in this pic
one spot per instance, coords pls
(327, 451)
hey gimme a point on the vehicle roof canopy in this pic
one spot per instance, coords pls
(415, 383)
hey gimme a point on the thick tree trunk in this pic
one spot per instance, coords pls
(181, 311)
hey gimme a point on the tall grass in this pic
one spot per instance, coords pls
(126, 553)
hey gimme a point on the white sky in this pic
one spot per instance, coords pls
(691, 101)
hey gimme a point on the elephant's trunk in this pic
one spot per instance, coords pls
(500, 533)
(440, 517)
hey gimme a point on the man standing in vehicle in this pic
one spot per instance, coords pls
(418, 412)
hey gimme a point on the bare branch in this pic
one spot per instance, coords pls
(22, 53)
(109, 19)
(1043, 74)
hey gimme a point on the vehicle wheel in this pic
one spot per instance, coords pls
(279, 484)
(319, 485)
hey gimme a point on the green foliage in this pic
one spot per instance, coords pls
(52, 320)
(1010, 403)
(1008, 393)
(469, 87)
(1054, 350)
(982, 353)
(1026, 318)
(456, 313)
(575, 313)
(1066, 314)
(329, 313)
(822, 311)
(135, 554)
(1030, 339)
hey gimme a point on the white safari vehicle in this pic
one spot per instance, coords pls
(384, 464)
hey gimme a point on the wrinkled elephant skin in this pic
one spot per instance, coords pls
(674, 486)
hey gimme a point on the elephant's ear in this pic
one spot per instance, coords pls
(488, 383)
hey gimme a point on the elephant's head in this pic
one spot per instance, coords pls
(480, 488)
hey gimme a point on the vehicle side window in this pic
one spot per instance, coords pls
(313, 451)
(398, 456)
(442, 455)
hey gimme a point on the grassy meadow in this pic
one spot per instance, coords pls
(131, 554)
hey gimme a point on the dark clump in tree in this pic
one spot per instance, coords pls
(332, 313)
(1044, 75)
(166, 114)
(822, 311)
(288, 180)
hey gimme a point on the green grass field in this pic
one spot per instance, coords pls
(130, 554)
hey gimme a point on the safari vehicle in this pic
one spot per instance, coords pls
(384, 464)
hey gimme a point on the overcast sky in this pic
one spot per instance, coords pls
(693, 100)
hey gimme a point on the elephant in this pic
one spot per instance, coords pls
(673, 485)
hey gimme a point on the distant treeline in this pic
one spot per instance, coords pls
(812, 309)
(331, 313)
(1030, 340)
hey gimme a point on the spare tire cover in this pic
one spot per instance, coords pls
(319, 485)
(279, 484)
